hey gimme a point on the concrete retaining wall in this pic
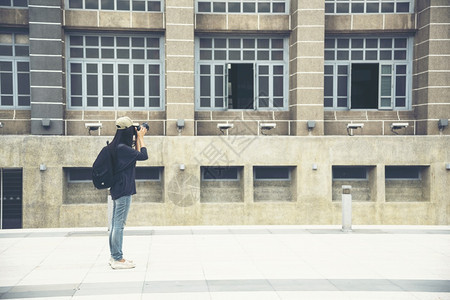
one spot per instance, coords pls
(49, 201)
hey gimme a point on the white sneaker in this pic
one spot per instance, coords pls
(112, 259)
(115, 264)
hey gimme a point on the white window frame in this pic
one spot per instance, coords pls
(257, 63)
(241, 2)
(67, 5)
(365, 2)
(14, 60)
(16, 6)
(335, 63)
(116, 62)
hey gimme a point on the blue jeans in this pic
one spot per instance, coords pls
(120, 213)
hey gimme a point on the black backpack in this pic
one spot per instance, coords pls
(103, 169)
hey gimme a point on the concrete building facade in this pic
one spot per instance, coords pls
(259, 111)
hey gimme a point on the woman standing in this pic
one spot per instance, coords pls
(124, 186)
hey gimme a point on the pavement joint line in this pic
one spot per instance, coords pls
(144, 231)
(235, 285)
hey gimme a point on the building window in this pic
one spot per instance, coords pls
(273, 184)
(403, 172)
(148, 173)
(243, 6)
(360, 178)
(226, 173)
(272, 173)
(142, 174)
(14, 3)
(350, 173)
(221, 184)
(407, 183)
(368, 6)
(79, 174)
(78, 188)
(120, 5)
(14, 71)
(115, 72)
(242, 73)
(368, 73)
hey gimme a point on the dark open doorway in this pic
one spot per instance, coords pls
(364, 86)
(240, 86)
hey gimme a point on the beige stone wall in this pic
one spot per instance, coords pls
(431, 82)
(76, 121)
(306, 66)
(179, 66)
(272, 191)
(363, 23)
(306, 26)
(181, 198)
(48, 204)
(98, 19)
(375, 122)
(13, 17)
(15, 121)
(241, 22)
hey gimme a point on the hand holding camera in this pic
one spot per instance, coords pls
(142, 129)
(145, 125)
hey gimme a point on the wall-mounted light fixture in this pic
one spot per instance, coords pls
(46, 123)
(224, 126)
(353, 126)
(1, 125)
(266, 127)
(180, 125)
(42, 167)
(310, 125)
(93, 126)
(397, 126)
(442, 123)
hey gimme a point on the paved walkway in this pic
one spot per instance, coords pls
(232, 262)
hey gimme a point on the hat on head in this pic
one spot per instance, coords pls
(123, 123)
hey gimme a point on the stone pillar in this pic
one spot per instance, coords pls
(306, 66)
(179, 48)
(378, 191)
(431, 83)
(378, 184)
(346, 208)
(46, 67)
(247, 186)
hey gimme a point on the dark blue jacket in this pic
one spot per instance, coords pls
(124, 181)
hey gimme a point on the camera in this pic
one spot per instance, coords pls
(145, 124)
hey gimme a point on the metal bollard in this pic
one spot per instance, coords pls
(346, 208)
(110, 211)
